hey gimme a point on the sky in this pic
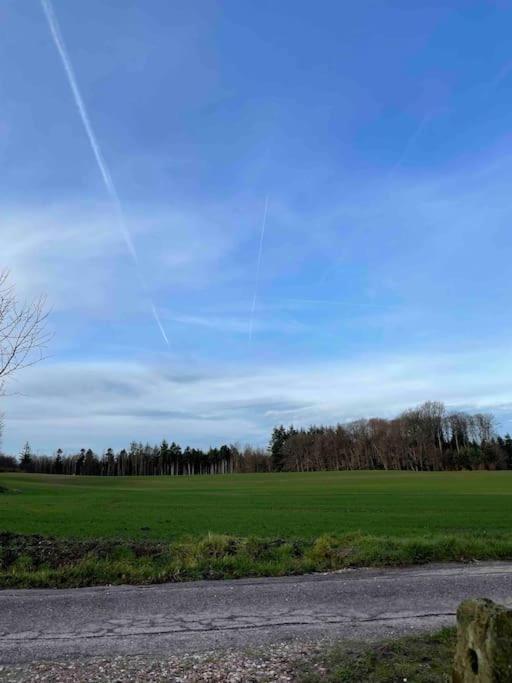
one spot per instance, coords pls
(318, 199)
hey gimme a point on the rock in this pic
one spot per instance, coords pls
(484, 643)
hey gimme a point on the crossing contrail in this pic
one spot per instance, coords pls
(102, 165)
(258, 268)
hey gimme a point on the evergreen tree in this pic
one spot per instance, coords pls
(79, 465)
(57, 467)
(110, 462)
(176, 458)
(26, 458)
(507, 448)
(89, 462)
(164, 457)
(279, 437)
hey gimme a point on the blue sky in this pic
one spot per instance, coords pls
(380, 133)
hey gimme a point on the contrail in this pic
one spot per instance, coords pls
(501, 75)
(105, 173)
(328, 302)
(258, 268)
(409, 143)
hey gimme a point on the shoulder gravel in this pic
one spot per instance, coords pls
(271, 664)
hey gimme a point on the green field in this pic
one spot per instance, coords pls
(289, 505)
(77, 531)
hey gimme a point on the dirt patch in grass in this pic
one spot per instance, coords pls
(42, 551)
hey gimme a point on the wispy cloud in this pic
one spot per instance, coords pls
(102, 165)
(258, 268)
(69, 252)
(238, 324)
(327, 302)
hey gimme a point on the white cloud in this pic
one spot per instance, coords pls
(59, 250)
(403, 241)
(110, 403)
(74, 252)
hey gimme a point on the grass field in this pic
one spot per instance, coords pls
(67, 531)
(290, 505)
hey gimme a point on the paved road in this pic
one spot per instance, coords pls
(192, 617)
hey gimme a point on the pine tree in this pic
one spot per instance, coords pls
(164, 457)
(176, 458)
(110, 461)
(507, 447)
(26, 458)
(79, 465)
(279, 437)
(58, 462)
(89, 462)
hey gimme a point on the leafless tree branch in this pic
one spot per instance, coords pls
(23, 332)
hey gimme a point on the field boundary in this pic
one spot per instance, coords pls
(35, 561)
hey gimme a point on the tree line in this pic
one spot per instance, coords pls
(426, 438)
(140, 460)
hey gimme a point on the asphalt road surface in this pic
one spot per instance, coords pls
(193, 617)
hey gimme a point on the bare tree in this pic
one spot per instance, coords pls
(23, 333)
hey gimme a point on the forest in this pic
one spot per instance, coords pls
(425, 438)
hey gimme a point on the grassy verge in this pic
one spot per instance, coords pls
(36, 561)
(422, 659)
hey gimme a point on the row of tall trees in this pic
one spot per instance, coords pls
(139, 459)
(8, 463)
(424, 438)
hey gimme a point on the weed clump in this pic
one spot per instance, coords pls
(422, 659)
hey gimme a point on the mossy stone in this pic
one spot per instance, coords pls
(484, 643)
